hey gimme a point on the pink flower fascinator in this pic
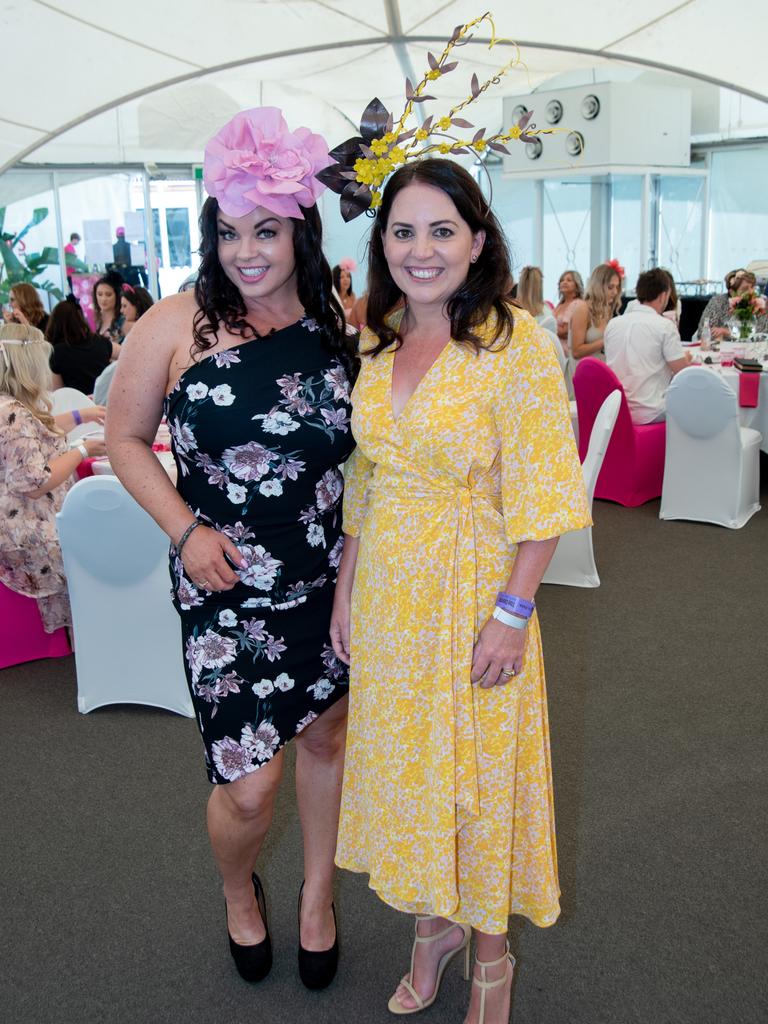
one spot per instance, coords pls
(254, 160)
(347, 264)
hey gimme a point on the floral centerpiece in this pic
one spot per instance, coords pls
(745, 308)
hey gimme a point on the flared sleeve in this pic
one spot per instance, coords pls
(358, 470)
(542, 484)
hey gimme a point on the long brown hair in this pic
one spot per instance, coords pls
(29, 302)
(600, 308)
(481, 294)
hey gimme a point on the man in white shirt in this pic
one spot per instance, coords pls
(643, 348)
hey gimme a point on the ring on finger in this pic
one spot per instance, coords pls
(205, 584)
(508, 672)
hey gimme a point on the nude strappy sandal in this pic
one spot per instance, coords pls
(395, 1006)
(482, 982)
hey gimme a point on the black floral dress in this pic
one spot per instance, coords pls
(258, 434)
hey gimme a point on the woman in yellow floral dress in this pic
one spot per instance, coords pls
(465, 475)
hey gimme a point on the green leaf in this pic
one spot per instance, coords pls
(2, 218)
(38, 216)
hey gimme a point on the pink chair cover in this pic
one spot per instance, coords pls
(633, 467)
(22, 637)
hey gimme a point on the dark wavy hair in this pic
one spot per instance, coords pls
(139, 298)
(485, 287)
(336, 274)
(220, 302)
(114, 281)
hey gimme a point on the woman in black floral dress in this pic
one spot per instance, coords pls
(253, 372)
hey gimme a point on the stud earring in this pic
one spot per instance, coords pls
(474, 258)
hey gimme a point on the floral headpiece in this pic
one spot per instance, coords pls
(36, 339)
(347, 264)
(614, 263)
(365, 161)
(255, 160)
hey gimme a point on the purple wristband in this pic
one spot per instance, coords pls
(515, 605)
(77, 417)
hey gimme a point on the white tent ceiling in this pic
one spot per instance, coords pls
(105, 82)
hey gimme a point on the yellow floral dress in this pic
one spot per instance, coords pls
(447, 798)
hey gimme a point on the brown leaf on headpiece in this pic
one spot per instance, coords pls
(373, 123)
(421, 99)
(390, 123)
(475, 87)
(428, 123)
(354, 201)
(432, 61)
(347, 151)
(367, 151)
(523, 122)
(334, 177)
(456, 33)
(479, 134)
(409, 93)
(459, 149)
(526, 138)
(405, 136)
(448, 67)
(497, 146)
(461, 123)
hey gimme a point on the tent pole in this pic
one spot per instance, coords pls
(59, 232)
(149, 234)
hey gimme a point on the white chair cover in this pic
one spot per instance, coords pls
(711, 469)
(67, 399)
(573, 564)
(127, 634)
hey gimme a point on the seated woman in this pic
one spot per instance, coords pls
(342, 282)
(36, 470)
(26, 307)
(107, 299)
(591, 314)
(78, 355)
(135, 303)
(718, 311)
(570, 287)
(530, 295)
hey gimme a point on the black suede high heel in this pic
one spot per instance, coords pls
(318, 969)
(253, 962)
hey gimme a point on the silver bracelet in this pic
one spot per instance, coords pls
(186, 535)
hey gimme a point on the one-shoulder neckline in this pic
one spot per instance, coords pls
(261, 338)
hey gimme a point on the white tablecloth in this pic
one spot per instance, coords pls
(756, 418)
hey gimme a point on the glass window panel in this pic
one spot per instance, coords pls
(739, 209)
(177, 226)
(567, 223)
(626, 225)
(681, 225)
(514, 203)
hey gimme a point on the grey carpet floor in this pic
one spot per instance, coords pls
(111, 912)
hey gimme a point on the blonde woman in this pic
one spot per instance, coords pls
(591, 314)
(36, 470)
(570, 287)
(26, 307)
(530, 295)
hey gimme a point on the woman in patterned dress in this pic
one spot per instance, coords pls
(253, 371)
(36, 470)
(464, 476)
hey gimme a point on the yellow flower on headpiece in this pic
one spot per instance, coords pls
(421, 134)
(397, 155)
(444, 147)
(480, 145)
(389, 138)
(444, 124)
(515, 132)
(379, 146)
(432, 75)
(375, 199)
